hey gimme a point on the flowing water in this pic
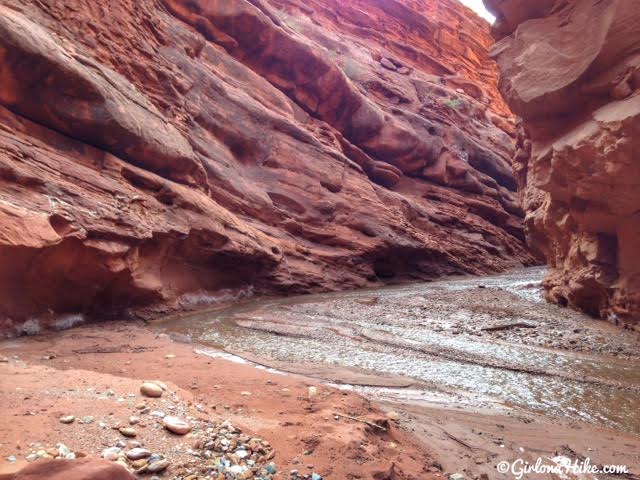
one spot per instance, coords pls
(481, 342)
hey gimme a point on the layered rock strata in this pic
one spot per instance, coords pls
(160, 155)
(571, 71)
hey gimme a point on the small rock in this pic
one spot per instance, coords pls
(170, 356)
(128, 432)
(157, 466)
(176, 425)
(456, 476)
(4, 359)
(133, 420)
(67, 419)
(52, 452)
(241, 453)
(149, 389)
(245, 394)
(87, 419)
(63, 450)
(138, 464)
(138, 453)
(316, 476)
(12, 459)
(313, 392)
(271, 468)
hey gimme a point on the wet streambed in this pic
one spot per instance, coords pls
(466, 342)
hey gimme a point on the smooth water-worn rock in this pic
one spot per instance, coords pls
(138, 453)
(176, 425)
(151, 389)
(577, 157)
(82, 469)
(161, 155)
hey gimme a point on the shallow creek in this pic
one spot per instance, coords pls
(472, 342)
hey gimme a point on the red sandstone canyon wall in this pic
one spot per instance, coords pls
(165, 154)
(571, 70)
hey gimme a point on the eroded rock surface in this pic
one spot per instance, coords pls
(577, 159)
(161, 155)
(82, 469)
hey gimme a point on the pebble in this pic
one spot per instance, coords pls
(4, 359)
(170, 356)
(128, 432)
(456, 476)
(137, 464)
(12, 459)
(157, 466)
(316, 476)
(138, 453)
(87, 420)
(134, 420)
(149, 389)
(65, 452)
(241, 453)
(176, 425)
(67, 419)
(271, 468)
(111, 453)
(313, 391)
(245, 394)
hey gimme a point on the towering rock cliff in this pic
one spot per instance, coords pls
(163, 154)
(571, 70)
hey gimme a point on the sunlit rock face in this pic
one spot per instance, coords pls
(577, 158)
(161, 155)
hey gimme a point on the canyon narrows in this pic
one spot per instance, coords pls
(306, 240)
(161, 155)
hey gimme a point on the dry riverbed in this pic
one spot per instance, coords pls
(95, 373)
(440, 380)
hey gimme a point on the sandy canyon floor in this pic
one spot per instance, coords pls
(462, 374)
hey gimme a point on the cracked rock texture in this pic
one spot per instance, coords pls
(158, 155)
(577, 163)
